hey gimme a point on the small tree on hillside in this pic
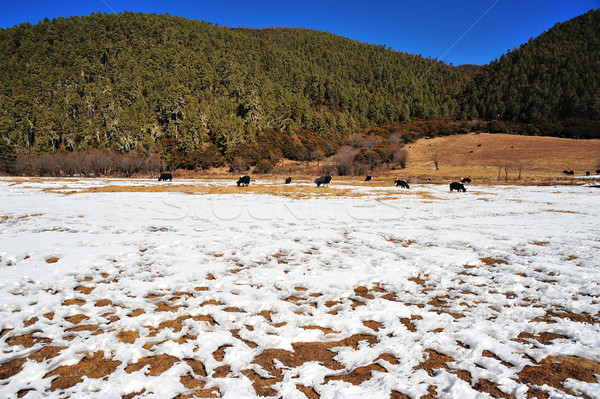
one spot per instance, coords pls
(317, 155)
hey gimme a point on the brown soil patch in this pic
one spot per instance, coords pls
(539, 243)
(325, 330)
(219, 354)
(434, 361)
(555, 370)
(52, 260)
(491, 261)
(164, 307)
(76, 319)
(309, 392)
(261, 385)
(76, 302)
(266, 314)
(190, 382)
(398, 395)
(158, 364)
(13, 367)
(31, 321)
(576, 317)
(222, 371)
(372, 324)
(128, 336)
(236, 334)
(408, 323)
(358, 375)
(103, 302)
(543, 338)
(136, 312)
(491, 389)
(91, 366)
(363, 292)
(388, 358)
(86, 327)
(417, 280)
(211, 302)
(307, 352)
(26, 340)
(84, 290)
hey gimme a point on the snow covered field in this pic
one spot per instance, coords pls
(492, 292)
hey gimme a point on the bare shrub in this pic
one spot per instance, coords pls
(264, 166)
(327, 169)
(317, 155)
(359, 141)
(396, 154)
(238, 165)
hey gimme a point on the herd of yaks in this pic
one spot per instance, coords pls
(571, 173)
(325, 180)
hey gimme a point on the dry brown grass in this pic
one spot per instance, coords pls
(478, 156)
(542, 158)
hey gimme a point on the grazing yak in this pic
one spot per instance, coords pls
(457, 186)
(465, 180)
(571, 173)
(566, 172)
(165, 177)
(368, 178)
(243, 181)
(324, 180)
(401, 183)
(288, 180)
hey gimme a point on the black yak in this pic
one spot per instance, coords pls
(457, 186)
(368, 178)
(401, 183)
(324, 180)
(465, 180)
(288, 180)
(243, 181)
(165, 177)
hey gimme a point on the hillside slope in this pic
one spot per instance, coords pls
(156, 83)
(554, 76)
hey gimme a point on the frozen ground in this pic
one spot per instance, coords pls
(493, 292)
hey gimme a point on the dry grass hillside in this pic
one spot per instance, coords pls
(482, 156)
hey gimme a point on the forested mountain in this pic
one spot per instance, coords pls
(132, 81)
(200, 95)
(554, 76)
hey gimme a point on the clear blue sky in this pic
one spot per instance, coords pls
(456, 31)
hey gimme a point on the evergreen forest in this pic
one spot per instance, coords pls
(191, 94)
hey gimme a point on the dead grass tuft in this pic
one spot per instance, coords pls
(555, 370)
(158, 364)
(91, 366)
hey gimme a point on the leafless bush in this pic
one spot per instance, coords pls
(359, 141)
(238, 165)
(317, 155)
(86, 164)
(395, 153)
